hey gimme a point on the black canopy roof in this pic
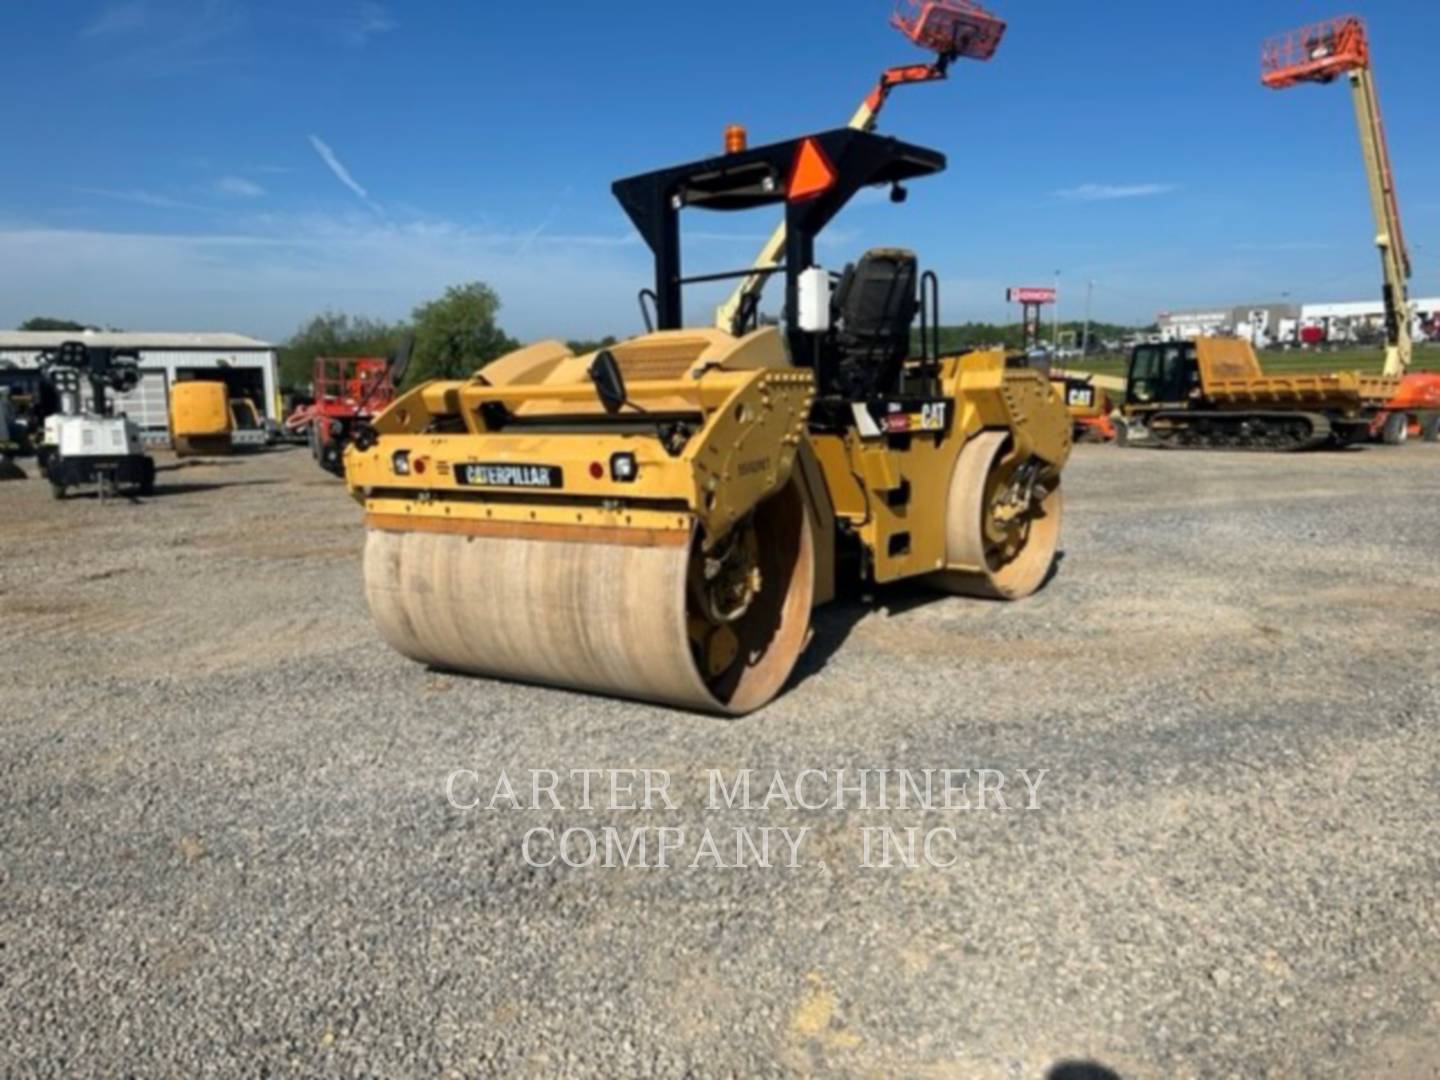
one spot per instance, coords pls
(766, 176)
(761, 176)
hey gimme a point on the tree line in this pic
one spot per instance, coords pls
(459, 332)
(453, 336)
(45, 324)
(1011, 336)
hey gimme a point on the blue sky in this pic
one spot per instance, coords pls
(241, 164)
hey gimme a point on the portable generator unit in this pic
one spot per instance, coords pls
(84, 444)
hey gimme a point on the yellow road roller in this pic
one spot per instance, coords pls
(658, 519)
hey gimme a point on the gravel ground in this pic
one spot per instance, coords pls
(228, 848)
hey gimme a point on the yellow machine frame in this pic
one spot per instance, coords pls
(657, 519)
(753, 431)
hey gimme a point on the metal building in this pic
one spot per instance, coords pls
(1341, 322)
(1261, 324)
(250, 369)
(1184, 325)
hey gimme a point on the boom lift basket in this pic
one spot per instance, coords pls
(952, 28)
(1319, 53)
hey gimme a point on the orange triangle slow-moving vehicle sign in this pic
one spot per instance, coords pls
(812, 173)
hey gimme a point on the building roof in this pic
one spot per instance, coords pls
(1361, 308)
(31, 339)
(1205, 313)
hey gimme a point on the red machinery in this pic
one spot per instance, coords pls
(952, 30)
(1321, 54)
(348, 392)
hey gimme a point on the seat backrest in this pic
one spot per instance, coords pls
(875, 307)
(877, 301)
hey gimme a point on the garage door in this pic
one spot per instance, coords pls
(148, 406)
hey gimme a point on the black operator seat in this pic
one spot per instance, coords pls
(874, 308)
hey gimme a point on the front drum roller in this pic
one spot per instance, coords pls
(997, 524)
(661, 620)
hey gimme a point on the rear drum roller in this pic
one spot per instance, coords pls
(1430, 428)
(659, 621)
(1003, 519)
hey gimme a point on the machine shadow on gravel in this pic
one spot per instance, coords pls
(199, 463)
(164, 490)
(832, 624)
(1081, 1070)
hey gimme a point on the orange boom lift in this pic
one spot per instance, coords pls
(952, 30)
(1321, 54)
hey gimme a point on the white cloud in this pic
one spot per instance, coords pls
(336, 166)
(1105, 192)
(117, 19)
(270, 272)
(369, 20)
(161, 38)
(140, 197)
(239, 187)
(532, 237)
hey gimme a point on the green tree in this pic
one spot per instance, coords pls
(44, 323)
(457, 334)
(339, 335)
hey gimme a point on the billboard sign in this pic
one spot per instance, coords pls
(1027, 295)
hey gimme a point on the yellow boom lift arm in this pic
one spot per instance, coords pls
(1321, 54)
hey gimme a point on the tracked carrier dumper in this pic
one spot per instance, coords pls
(1210, 394)
(658, 519)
